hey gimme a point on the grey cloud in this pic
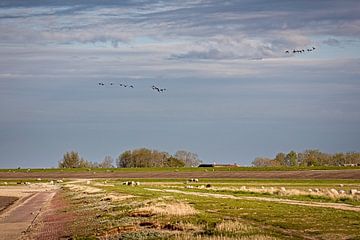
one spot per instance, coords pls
(331, 42)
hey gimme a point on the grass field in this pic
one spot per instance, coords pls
(213, 209)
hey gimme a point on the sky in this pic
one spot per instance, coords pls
(232, 92)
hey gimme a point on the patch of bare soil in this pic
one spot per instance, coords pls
(6, 201)
(340, 206)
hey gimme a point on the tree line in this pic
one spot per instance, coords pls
(136, 158)
(310, 157)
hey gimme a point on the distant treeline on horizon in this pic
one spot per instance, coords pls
(310, 157)
(141, 157)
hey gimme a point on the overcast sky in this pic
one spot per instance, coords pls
(233, 93)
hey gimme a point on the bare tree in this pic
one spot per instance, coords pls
(106, 163)
(190, 159)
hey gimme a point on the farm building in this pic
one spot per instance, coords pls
(217, 165)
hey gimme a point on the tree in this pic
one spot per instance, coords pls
(143, 157)
(313, 157)
(124, 160)
(70, 160)
(190, 159)
(106, 163)
(291, 159)
(174, 162)
(280, 159)
(263, 162)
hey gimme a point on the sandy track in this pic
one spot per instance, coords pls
(311, 174)
(339, 206)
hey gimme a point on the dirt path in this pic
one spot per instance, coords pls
(17, 220)
(340, 206)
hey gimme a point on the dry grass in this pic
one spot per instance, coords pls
(292, 192)
(233, 227)
(175, 209)
(199, 237)
(116, 197)
(84, 189)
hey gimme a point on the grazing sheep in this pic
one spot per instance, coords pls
(51, 182)
(59, 181)
(353, 191)
(262, 187)
(243, 188)
(131, 183)
(88, 182)
(39, 179)
(5, 183)
(193, 180)
(310, 190)
(283, 189)
(189, 187)
(208, 185)
(342, 192)
(27, 183)
(341, 185)
(316, 190)
(334, 191)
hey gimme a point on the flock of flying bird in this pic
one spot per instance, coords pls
(160, 90)
(301, 50)
(155, 88)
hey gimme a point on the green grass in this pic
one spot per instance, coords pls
(276, 220)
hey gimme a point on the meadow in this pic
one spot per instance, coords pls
(213, 209)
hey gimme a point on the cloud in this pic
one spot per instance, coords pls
(241, 47)
(331, 42)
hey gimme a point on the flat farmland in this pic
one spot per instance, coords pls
(181, 173)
